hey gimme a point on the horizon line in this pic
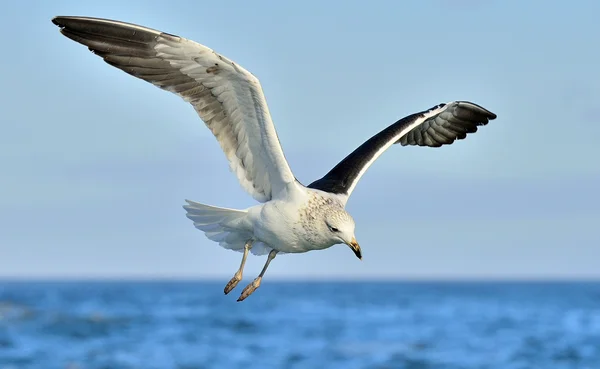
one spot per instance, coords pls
(311, 279)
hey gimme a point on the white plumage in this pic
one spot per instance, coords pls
(291, 217)
(231, 102)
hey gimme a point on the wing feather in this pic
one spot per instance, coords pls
(441, 125)
(454, 122)
(227, 98)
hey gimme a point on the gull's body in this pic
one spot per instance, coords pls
(289, 223)
(290, 217)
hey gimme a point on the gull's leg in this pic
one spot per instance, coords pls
(238, 275)
(256, 282)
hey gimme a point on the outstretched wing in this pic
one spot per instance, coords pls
(228, 98)
(440, 125)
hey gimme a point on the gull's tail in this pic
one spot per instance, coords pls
(229, 227)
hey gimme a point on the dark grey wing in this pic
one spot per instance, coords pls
(440, 125)
(459, 119)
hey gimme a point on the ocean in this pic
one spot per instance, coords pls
(337, 325)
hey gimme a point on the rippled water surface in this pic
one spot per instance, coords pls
(189, 325)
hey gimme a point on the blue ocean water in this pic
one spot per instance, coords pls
(192, 325)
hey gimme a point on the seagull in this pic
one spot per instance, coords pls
(289, 217)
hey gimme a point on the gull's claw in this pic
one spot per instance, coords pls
(250, 288)
(233, 282)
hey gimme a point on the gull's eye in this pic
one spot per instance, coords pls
(333, 229)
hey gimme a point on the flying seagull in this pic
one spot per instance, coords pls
(290, 217)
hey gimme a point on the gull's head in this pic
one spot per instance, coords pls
(340, 226)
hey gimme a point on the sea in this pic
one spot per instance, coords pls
(337, 325)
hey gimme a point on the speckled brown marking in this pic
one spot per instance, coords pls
(213, 70)
(313, 215)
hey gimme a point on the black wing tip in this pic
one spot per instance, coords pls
(59, 19)
(63, 21)
(489, 115)
(108, 35)
(94, 24)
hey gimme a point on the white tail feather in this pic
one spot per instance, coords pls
(230, 228)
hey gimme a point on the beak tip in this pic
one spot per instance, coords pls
(355, 248)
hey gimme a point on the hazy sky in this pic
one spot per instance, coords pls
(96, 164)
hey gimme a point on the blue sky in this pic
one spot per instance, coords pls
(96, 164)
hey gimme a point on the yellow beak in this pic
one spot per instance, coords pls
(356, 248)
